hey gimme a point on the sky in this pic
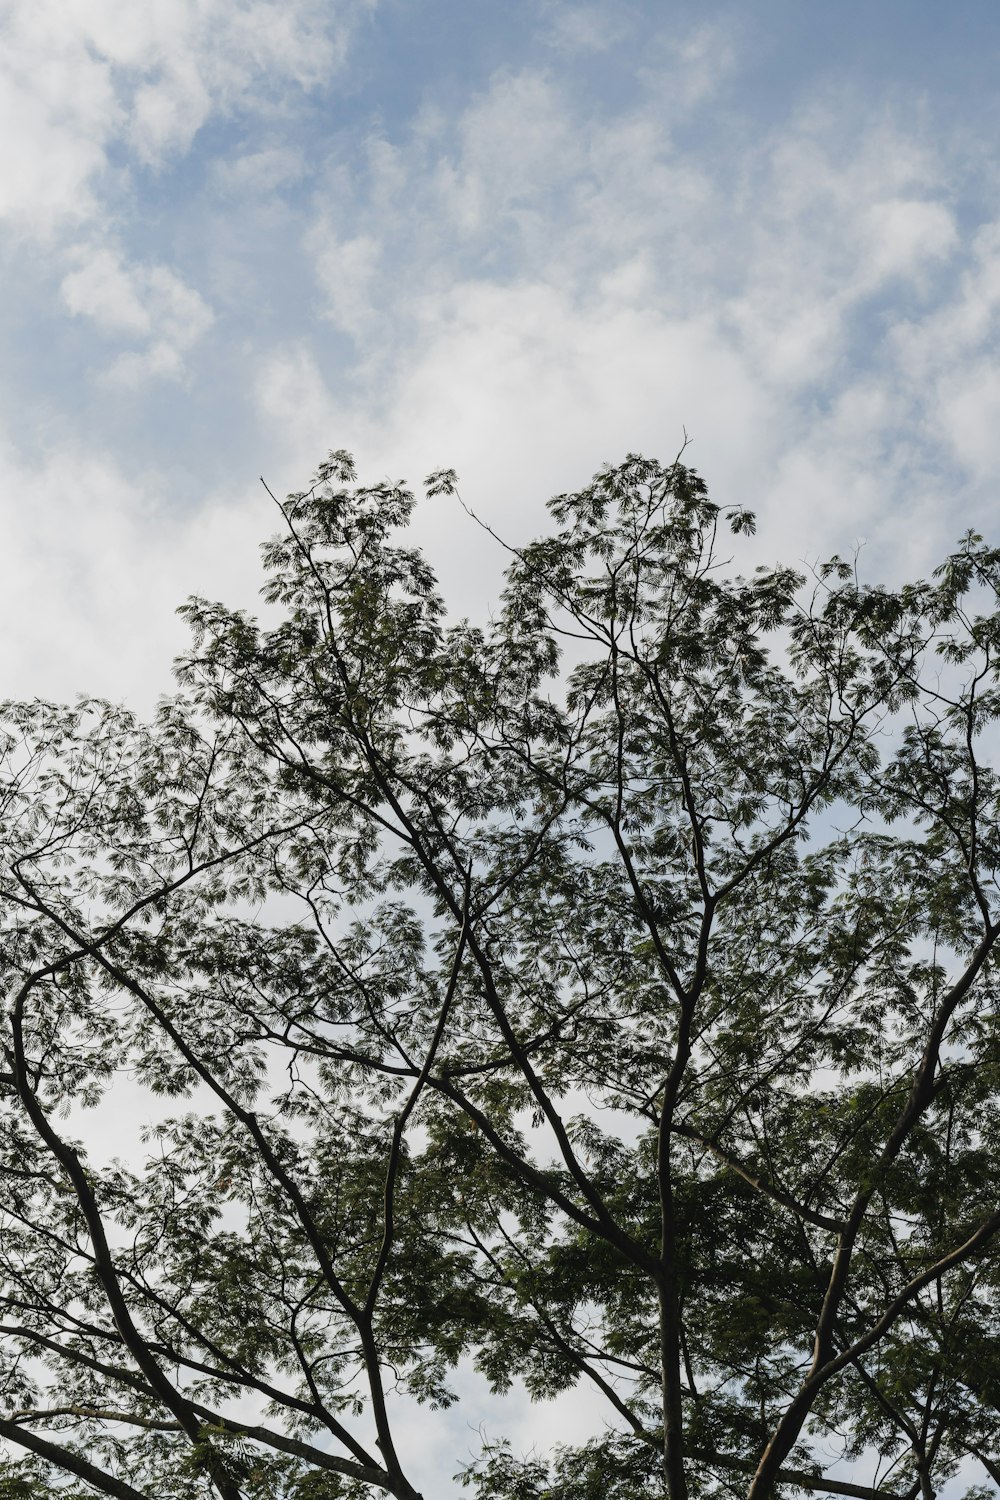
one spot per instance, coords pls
(517, 239)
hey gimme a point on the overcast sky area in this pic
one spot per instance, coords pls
(520, 238)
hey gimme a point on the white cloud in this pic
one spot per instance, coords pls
(524, 394)
(258, 172)
(346, 271)
(969, 415)
(79, 77)
(160, 361)
(538, 289)
(291, 397)
(573, 27)
(964, 318)
(145, 302)
(694, 66)
(946, 363)
(827, 225)
(55, 121)
(103, 290)
(93, 90)
(94, 564)
(786, 235)
(517, 149)
(905, 235)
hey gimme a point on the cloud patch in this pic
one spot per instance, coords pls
(149, 303)
(82, 78)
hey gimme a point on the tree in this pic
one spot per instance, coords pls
(603, 998)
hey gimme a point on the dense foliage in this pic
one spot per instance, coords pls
(604, 998)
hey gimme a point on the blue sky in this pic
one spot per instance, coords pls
(519, 239)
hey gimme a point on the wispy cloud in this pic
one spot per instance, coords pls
(79, 80)
(539, 284)
(572, 27)
(254, 173)
(94, 95)
(144, 303)
(529, 278)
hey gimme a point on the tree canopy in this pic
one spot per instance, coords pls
(604, 997)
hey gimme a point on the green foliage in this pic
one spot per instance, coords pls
(604, 998)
